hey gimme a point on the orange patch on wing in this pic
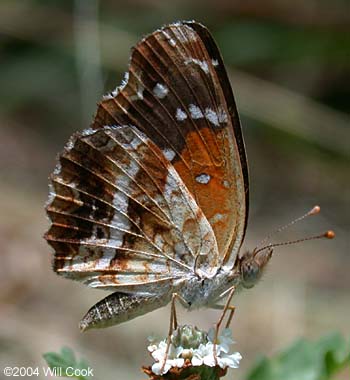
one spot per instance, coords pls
(213, 197)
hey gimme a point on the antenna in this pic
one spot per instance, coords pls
(315, 210)
(328, 235)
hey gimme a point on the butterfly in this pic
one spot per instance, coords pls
(151, 201)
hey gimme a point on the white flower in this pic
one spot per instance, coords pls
(231, 361)
(224, 340)
(157, 368)
(157, 352)
(173, 359)
(204, 354)
(198, 348)
(152, 347)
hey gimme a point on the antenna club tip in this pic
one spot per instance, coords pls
(329, 234)
(315, 210)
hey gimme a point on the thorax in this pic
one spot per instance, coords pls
(204, 292)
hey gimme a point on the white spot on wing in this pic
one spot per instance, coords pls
(169, 154)
(222, 115)
(195, 112)
(115, 92)
(180, 248)
(216, 218)
(203, 178)
(171, 41)
(88, 132)
(216, 118)
(180, 115)
(52, 194)
(57, 169)
(215, 62)
(212, 116)
(139, 88)
(124, 81)
(108, 96)
(202, 64)
(184, 36)
(226, 184)
(160, 90)
(70, 143)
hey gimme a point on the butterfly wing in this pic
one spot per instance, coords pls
(121, 215)
(178, 94)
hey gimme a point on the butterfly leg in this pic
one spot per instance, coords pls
(225, 308)
(231, 308)
(174, 313)
(172, 325)
(229, 319)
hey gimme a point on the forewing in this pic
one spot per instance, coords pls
(121, 215)
(178, 94)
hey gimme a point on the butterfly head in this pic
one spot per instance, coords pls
(251, 266)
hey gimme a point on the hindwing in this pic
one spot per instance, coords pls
(121, 215)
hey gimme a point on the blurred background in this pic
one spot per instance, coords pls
(290, 71)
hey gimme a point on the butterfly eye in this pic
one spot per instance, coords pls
(250, 274)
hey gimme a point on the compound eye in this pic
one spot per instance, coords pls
(250, 274)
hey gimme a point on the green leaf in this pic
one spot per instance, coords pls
(305, 360)
(68, 355)
(64, 360)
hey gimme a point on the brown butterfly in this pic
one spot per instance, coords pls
(151, 202)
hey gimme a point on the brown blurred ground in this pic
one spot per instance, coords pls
(45, 96)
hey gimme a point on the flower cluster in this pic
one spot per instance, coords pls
(195, 348)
